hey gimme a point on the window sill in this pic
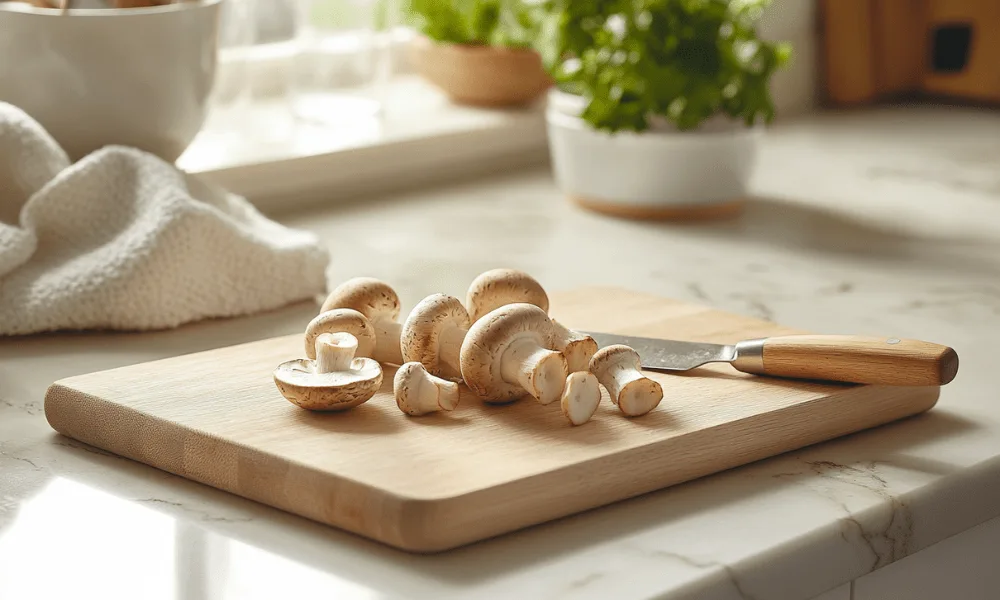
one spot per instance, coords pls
(279, 163)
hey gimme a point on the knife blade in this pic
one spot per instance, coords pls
(668, 355)
(843, 358)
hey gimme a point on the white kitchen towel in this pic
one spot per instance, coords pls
(123, 240)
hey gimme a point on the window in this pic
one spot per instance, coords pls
(292, 117)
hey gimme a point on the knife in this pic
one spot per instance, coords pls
(844, 358)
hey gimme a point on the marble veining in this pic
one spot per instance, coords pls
(198, 513)
(888, 539)
(877, 222)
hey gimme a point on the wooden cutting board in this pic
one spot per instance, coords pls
(436, 482)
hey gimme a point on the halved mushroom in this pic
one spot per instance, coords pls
(619, 369)
(581, 397)
(508, 354)
(338, 320)
(334, 381)
(433, 334)
(498, 287)
(380, 304)
(419, 393)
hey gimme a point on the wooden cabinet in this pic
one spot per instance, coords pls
(964, 56)
(885, 49)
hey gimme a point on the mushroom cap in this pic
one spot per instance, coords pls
(419, 338)
(497, 287)
(298, 381)
(337, 320)
(369, 296)
(487, 340)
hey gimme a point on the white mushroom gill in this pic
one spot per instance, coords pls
(335, 380)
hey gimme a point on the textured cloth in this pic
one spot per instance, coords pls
(123, 240)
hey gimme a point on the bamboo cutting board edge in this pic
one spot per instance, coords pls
(425, 525)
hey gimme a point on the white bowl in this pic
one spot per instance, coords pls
(661, 172)
(138, 77)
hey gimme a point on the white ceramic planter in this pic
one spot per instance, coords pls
(660, 173)
(138, 77)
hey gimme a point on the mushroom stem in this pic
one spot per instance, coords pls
(619, 377)
(419, 393)
(619, 369)
(581, 397)
(576, 347)
(540, 371)
(450, 347)
(335, 352)
(387, 344)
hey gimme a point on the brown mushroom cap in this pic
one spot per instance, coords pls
(298, 381)
(498, 287)
(369, 296)
(487, 340)
(341, 319)
(420, 338)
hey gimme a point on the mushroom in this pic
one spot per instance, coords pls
(578, 348)
(618, 368)
(380, 304)
(498, 287)
(581, 397)
(508, 354)
(341, 320)
(433, 334)
(419, 393)
(335, 380)
(495, 288)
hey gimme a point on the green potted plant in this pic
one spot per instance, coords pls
(478, 51)
(657, 102)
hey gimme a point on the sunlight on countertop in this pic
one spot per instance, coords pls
(66, 537)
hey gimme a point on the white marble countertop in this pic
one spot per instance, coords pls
(883, 222)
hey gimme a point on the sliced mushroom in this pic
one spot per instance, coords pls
(419, 393)
(499, 287)
(508, 354)
(334, 381)
(581, 397)
(433, 334)
(619, 369)
(338, 320)
(380, 304)
(496, 288)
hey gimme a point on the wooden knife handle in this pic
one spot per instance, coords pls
(853, 359)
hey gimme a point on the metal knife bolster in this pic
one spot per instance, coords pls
(750, 356)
